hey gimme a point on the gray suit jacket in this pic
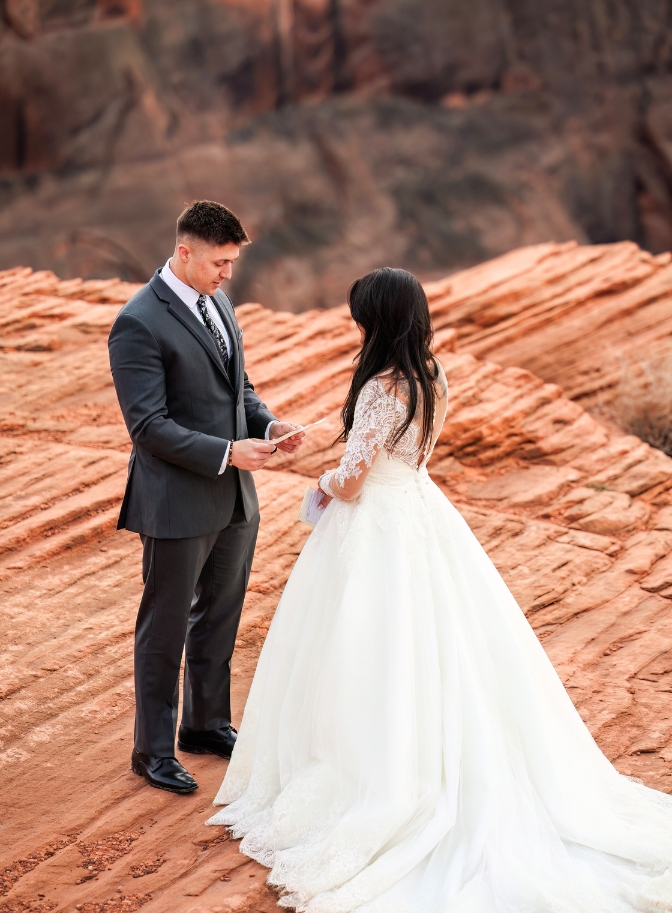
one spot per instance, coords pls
(181, 408)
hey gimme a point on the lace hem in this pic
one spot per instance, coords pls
(654, 896)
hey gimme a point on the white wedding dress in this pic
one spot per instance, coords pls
(407, 746)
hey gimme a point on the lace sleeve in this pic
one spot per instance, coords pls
(375, 419)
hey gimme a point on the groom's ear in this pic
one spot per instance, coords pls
(184, 251)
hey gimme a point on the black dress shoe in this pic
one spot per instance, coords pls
(214, 741)
(163, 773)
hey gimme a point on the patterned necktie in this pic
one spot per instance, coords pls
(220, 342)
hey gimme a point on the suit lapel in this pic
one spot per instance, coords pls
(181, 312)
(225, 308)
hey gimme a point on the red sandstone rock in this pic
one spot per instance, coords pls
(322, 123)
(573, 315)
(577, 517)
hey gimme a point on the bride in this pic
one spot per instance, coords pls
(407, 746)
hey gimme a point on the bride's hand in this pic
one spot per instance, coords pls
(323, 501)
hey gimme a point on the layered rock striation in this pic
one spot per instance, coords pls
(577, 517)
(578, 316)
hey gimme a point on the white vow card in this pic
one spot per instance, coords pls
(310, 511)
(276, 440)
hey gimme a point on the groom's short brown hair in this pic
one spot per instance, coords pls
(211, 222)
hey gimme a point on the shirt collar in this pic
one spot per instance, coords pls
(185, 293)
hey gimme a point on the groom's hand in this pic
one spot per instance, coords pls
(292, 443)
(251, 454)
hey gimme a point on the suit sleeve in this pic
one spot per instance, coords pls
(257, 413)
(140, 382)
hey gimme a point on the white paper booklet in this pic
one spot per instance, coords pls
(310, 512)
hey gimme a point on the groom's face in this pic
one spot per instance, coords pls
(206, 266)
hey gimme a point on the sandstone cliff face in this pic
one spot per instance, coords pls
(347, 133)
(577, 517)
(575, 316)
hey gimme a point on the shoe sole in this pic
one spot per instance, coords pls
(192, 749)
(180, 792)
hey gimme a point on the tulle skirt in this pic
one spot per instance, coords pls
(407, 746)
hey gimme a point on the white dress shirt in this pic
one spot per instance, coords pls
(190, 296)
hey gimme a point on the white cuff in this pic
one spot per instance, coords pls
(267, 436)
(226, 458)
(323, 483)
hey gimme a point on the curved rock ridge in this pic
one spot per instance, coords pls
(575, 315)
(577, 517)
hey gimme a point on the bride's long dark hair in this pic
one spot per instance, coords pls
(391, 307)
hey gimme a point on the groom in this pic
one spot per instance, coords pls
(199, 430)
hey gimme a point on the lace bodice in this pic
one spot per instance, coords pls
(378, 415)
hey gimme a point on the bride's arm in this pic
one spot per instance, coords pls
(334, 485)
(373, 421)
